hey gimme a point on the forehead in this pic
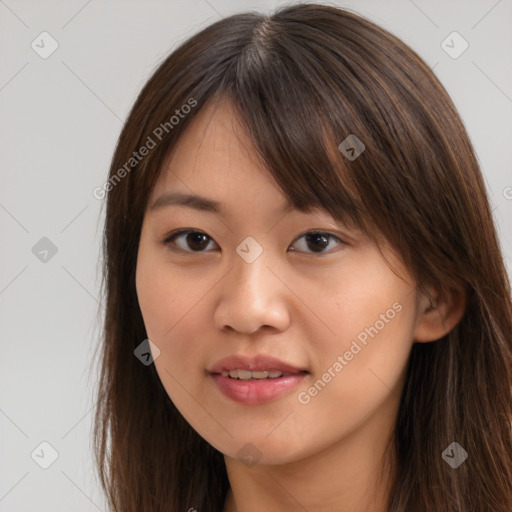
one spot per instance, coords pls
(214, 158)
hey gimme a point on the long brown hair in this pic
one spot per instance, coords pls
(302, 80)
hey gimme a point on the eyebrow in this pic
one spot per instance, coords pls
(196, 202)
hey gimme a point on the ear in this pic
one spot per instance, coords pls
(439, 315)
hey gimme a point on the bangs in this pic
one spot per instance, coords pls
(297, 124)
(304, 159)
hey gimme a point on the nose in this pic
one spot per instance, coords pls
(252, 297)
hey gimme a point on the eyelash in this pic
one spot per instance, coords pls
(172, 237)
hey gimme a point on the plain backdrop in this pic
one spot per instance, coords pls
(60, 119)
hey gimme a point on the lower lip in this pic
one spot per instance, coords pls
(255, 392)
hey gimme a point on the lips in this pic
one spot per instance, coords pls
(255, 363)
(232, 378)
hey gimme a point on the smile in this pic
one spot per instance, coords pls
(248, 374)
(256, 390)
(255, 380)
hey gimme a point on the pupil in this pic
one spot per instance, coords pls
(316, 237)
(197, 238)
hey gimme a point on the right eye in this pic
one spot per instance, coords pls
(190, 239)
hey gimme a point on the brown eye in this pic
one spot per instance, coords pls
(317, 241)
(191, 241)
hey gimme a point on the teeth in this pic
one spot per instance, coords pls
(247, 374)
(240, 374)
(260, 375)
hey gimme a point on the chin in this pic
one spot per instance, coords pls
(261, 451)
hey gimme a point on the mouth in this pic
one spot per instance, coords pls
(257, 374)
(259, 367)
(257, 380)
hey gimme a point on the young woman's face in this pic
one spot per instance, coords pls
(247, 281)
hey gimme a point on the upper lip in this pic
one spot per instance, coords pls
(255, 363)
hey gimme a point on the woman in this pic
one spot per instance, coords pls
(307, 307)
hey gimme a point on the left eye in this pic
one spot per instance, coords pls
(197, 241)
(318, 239)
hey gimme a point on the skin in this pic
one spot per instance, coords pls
(301, 306)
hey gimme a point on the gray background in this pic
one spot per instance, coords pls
(60, 119)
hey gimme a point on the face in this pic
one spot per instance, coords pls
(250, 281)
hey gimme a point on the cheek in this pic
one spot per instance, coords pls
(173, 319)
(161, 296)
(365, 302)
(359, 371)
(178, 329)
(361, 357)
(173, 312)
